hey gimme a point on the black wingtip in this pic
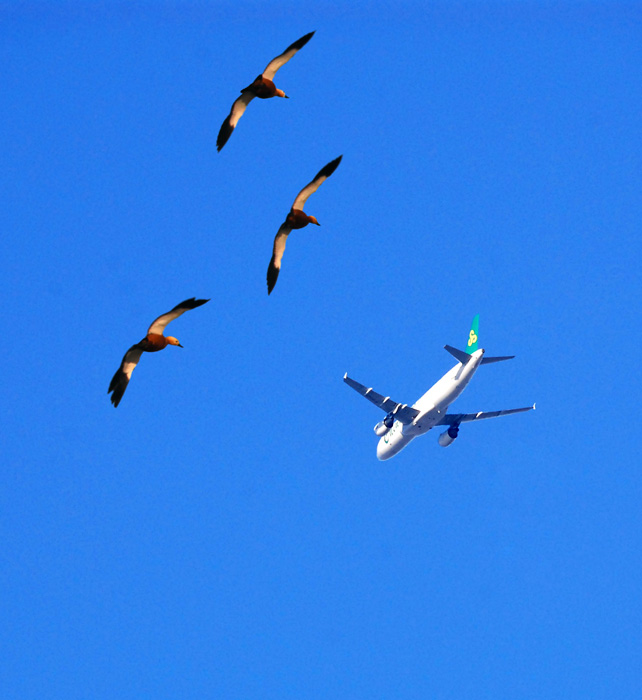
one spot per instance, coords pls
(223, 135)
(117, 387)
(328, 169)
(272, 277)
(300, 43)
(192, 303)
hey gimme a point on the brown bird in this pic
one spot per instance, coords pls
(152, 342)
(262, 87)
(296, 219)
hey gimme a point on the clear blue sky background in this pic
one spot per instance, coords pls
(227, 532)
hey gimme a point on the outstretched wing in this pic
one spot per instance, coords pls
(228, 126)
(120, 380)
(402, 412)
(313, 186)
(277, 253)
(274, 65)
(159, 324)
(457, 418)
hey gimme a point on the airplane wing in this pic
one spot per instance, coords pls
(402, 412)
(457, 418)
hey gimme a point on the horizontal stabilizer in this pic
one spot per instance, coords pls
(459, 355)
(488, 360)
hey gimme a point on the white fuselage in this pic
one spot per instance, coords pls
(432, 407)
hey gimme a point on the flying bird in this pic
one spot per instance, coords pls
(152, 342)
(262, 87)
(296, 219)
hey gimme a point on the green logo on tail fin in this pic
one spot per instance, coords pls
(472, 336)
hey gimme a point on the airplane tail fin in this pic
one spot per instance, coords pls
(473, 340)
(472, 345)
(460, 355)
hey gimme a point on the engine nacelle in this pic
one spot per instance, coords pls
(383, 426)
(448, 437)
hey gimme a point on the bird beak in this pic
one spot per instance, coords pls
(287, 97)
(179, 345)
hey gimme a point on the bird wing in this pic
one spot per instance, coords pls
(274, 65)
(277, 254)
(313, 186)
(120, 380)
(159, 324)
(239, 106)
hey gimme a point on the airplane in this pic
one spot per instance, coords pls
(404, 423)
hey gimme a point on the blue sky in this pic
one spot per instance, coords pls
(227, 531)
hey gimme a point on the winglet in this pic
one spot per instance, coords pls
(533, 407)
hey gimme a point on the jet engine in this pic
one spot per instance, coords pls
(448, 437)
(383, 426)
